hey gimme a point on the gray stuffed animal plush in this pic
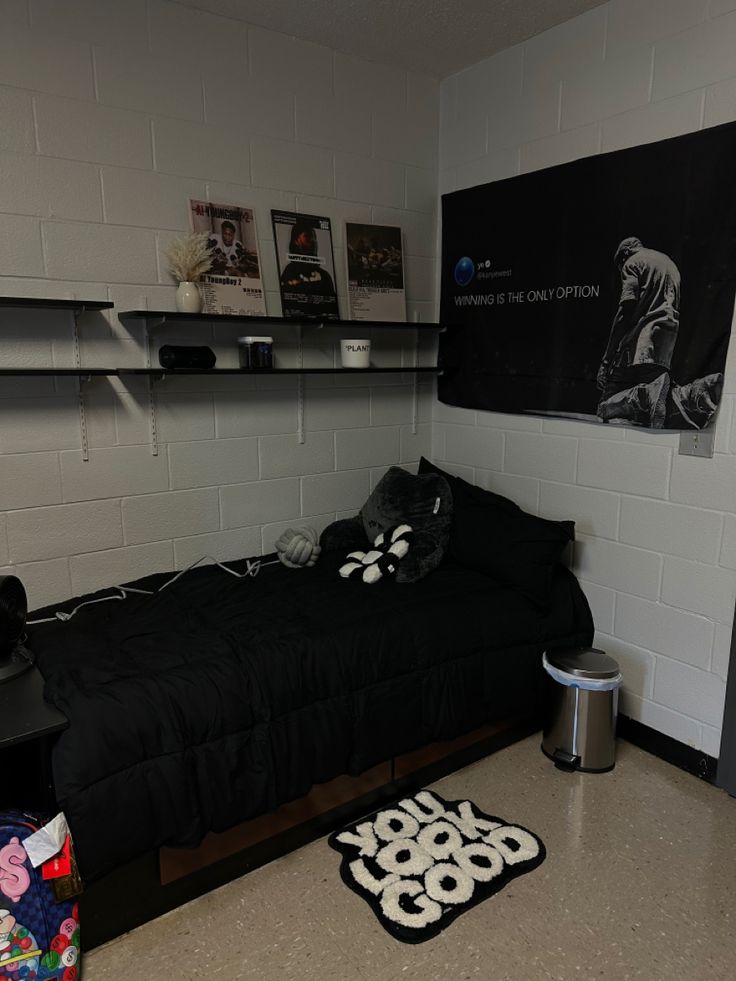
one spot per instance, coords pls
(423, 501)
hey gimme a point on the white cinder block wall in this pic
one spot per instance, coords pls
(657, 531)
(111, 116)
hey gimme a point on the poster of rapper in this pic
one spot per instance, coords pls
(600, 289)
(375, 272)
(306, 265)
(233, 284)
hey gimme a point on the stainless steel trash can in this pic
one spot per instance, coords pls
(580, 732)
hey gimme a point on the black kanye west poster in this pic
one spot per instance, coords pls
(601, 289)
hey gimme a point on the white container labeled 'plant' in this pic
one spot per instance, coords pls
(189, 259)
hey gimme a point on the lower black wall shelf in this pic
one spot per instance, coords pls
(168, 372)
(171, 372)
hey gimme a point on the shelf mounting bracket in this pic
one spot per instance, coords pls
(84, 438)
(152, 417)
(415, 386)
(81, 406)
(150, 325)
(300, 387)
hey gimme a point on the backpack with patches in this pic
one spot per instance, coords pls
(39, 937)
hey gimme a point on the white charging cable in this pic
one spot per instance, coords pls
(252, 570)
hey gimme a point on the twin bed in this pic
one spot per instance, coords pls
(218, 699)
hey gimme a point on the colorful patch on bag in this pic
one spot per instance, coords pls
(39, 938)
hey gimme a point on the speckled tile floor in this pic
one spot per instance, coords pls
(639, 882)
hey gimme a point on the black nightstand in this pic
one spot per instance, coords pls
(28, 725)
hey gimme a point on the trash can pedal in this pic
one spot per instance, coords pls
(565, 761)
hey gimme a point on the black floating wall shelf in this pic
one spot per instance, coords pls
(61, 372)
(76, 306)
(152, 319)
(173, 372)
(167, 316)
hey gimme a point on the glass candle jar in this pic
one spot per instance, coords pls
(255, 352)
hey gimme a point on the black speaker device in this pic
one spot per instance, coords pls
(186, 358)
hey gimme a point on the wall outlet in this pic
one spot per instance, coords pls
(697, 442)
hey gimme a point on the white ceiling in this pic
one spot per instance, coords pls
(434, 36)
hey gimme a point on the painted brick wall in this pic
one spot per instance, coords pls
(111, 115)
(657, 531)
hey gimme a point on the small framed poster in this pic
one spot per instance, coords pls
(375, 266)
(306, 265)
(233, 285)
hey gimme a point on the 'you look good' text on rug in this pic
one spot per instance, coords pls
(423, 861)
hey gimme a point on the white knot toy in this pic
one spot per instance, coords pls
(298, 547)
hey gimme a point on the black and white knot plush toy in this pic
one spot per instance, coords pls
(388, 550)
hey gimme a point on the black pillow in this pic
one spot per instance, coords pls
(493, 535)
(345, 535)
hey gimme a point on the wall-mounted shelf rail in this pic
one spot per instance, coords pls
(76, 308)
(151, 320)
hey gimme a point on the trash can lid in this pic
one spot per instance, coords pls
(584, 662)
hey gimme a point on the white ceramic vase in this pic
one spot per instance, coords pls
(188, 299)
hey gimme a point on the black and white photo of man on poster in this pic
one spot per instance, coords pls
(601, 289)
(306, 265)
(634, 376)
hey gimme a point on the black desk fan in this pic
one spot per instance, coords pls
(15, 658)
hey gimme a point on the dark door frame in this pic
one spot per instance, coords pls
(726, 772)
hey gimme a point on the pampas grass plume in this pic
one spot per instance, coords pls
(189, 258)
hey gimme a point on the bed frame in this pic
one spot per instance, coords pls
(161, 881)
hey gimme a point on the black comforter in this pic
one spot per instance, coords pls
(221, 698)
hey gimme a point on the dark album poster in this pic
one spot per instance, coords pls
(601, 289)
(375, 269)
(306, 265)
(233, 285)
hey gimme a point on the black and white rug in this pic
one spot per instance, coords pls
(423, 861)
